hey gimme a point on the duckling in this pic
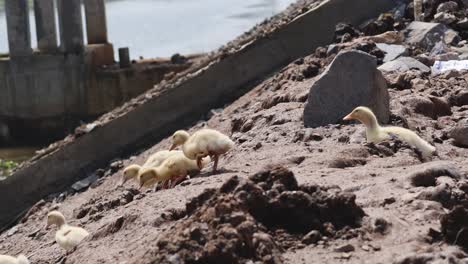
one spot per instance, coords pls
(21, 259)
(68, 237)
(204, 142)
(131, 172)
(174, 168)
(376, 133)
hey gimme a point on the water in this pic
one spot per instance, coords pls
(160, 28)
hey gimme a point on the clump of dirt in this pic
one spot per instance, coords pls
(455, 227)
(245, 219)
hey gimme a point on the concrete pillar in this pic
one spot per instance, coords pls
(19, 33)
(96, 26)
(124, 57)
(45, 25)
(71, 26)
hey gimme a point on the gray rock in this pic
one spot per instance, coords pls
(392, 51)
(451, 37)
(351, 80)
(403, 64)
(85, 183)
(426, 35)
(460, 134)
(444, 18)
(463, 24)
(449, 6)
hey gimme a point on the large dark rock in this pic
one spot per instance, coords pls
(351, 80)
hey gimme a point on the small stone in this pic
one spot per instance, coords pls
(345, 248)
(116, 165)
(312, 237)
(365, 248)
(389, 200)
(375, 247)
(257, 146)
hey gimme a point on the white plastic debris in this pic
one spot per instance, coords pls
(443, 66)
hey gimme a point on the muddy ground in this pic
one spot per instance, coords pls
(285, 194)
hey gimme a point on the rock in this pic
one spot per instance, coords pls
(346, 162)
(312, 237)
(449, 6)
(392, 51)
(403, 64)
(85, 183)
(425, 59)
(451, 37)
(345, 248)
(342, 29)
(444, 18)
(381, 226)
(454, 226)
(447, 56)
(460, 97)
(463, 24)
(425, 34)
(383, 24)
(351, 80)
(460, 134)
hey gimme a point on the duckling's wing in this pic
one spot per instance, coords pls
(71, 236)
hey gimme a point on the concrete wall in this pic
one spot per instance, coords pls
(178, 107)
(52, 93)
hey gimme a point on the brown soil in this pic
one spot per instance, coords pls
(285, 194)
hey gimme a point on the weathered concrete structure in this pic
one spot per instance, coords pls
(171, 109)
(53, 88)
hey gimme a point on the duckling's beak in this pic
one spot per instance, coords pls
(173, 147)
(46, 226)
(349, 117)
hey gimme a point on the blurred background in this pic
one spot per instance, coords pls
(160, 28)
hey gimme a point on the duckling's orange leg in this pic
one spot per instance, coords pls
(199, 163)
(177, 180)
(165, 184)
(215, 166)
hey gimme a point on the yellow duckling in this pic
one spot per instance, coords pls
(68, 237)
(376, 133)
(174, 168)
(21, 259)
(131, 172)
(204, 142)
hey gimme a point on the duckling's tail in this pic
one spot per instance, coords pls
(412, 139)
(22, 259)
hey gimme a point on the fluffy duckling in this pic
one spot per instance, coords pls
(21, 259)
(68, 237)
(204, 142)
(376, 133)
(131, 172)
(174, 168)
